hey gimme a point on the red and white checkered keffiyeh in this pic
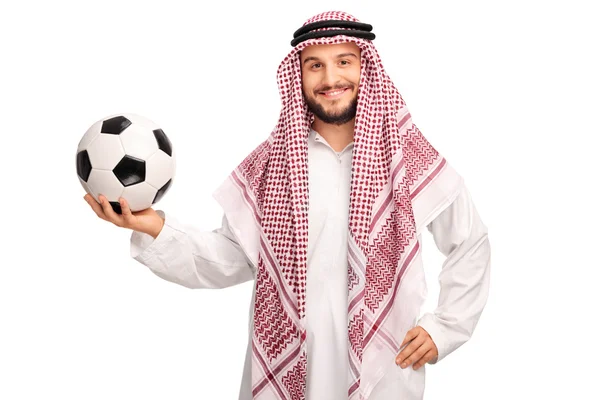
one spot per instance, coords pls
(399, 184)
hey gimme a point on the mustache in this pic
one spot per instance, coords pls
(336, 87)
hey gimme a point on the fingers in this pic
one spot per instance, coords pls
(95, 206)
(416, 355)
(105, 211)
(420, 349)
(410, 335)
(415, 339)
(126, 212)
(426, 357)
(408, 355)
(110, 214)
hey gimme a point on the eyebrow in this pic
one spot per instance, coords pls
(312, 58)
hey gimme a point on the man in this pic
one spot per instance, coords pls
(326, 216)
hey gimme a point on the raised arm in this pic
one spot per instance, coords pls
(179, 253)
(192, 258)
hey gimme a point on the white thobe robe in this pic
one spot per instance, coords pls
(197, 259)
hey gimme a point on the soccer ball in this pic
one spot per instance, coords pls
(126, 155)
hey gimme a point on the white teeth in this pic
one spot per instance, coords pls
(334, 93)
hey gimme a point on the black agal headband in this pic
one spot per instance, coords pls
(356, 29)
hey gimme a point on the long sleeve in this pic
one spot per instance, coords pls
(195, 259)
(462, 237)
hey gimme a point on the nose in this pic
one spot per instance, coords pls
(331, 77)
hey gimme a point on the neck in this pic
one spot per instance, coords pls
(338, 136)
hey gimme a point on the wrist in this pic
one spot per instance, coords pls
(158, 228)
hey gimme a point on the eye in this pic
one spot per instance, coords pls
(315, 65)
(344, 62)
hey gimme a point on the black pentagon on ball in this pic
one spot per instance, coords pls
(84, 166)
(115, 125)
(161, 192)
(116, 206)
(163, 141)
(130, 170)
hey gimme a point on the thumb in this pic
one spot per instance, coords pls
(126, 212)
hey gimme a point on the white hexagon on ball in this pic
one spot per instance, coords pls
(105, 151)
(138, 141)
(160, 168)
(139, 196)
(89, 136)
(141, 121)
(105, 183)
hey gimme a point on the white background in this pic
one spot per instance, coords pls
(506, 91)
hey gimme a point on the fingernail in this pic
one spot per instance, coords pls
(403, 365)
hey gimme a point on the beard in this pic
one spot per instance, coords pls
(335, 118)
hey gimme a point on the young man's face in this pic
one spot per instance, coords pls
(330, 78)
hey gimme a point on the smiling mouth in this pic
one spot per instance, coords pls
(333, 94)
